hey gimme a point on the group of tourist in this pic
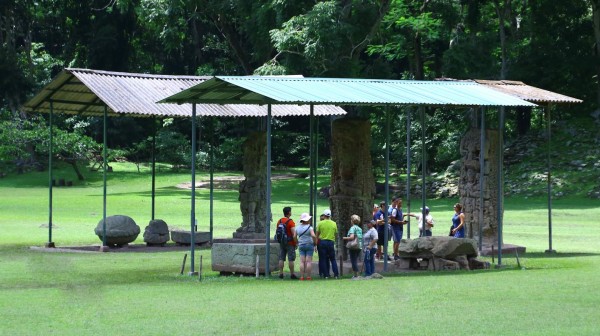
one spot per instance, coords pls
(322, 239)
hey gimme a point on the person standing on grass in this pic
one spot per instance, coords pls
(458, 222)
(428, 222)
(379, 218)
(327, 235)
(397, 222)
(354, 231)
(307, 240)
(369, 242)
(288, 249)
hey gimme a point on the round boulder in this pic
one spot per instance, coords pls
(120, 230)
(156, 233)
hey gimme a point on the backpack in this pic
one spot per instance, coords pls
(281, 235)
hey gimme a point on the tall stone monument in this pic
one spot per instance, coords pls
(469, 185)
(352, 182)
(253, 188)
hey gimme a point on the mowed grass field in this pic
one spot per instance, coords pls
(59, 293)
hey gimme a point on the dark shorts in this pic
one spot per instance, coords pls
(380, 237)
(289, 251)
(397, 233)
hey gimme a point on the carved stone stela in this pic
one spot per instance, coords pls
(469, 186)
(253, 188)
(352, 183)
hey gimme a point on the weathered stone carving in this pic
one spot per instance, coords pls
(253, 188)
(352, 183)
(156, 233)
(469, 187)
(120, 230)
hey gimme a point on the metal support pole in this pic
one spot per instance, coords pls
(316, 191)
(481, 177)
(408, 164)
(50, 243)
(212, 173)
(311, 161)
(193, 195)
(500, 180)
(423, 170)
(387, 188)
(549, 135)
(105, 168)
(153, 166)
(268, 196)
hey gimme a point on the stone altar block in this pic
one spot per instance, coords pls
(239, 256)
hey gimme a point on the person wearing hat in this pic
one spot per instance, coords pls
(307, 240)
(369, 247)
(428, 220)
(326, 235)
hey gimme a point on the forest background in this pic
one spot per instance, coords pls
(554, 45)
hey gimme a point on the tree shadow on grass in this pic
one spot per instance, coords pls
(542, 255)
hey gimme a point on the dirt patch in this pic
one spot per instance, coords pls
(230, 182)
(127, 249)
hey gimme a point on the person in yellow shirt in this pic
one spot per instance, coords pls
(327, 236)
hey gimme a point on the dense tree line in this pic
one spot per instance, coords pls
(551, 44)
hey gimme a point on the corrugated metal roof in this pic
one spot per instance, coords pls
(527, 92)
(341, 91)
(85, 92)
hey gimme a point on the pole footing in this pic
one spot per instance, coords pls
(49, 245)
(104, 249)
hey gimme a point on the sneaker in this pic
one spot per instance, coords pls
(396, 257)
(302, 279)
(337, 277)
(281, 276)
(309, 278)
(293, 277)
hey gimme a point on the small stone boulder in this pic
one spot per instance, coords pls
(120, 230)
(181, 237)
(156, 233)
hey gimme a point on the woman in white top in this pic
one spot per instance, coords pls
(306, 238)
(428, 220)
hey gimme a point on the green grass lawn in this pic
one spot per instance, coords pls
(138, 293)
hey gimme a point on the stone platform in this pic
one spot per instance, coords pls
(239, 256)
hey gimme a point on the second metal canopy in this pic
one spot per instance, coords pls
(341, 91)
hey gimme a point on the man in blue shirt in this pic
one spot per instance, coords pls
(397, 221)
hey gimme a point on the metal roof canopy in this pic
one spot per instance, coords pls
(521, 90)
(90, 92)
(85, 92)
(341, 91)
(316, 91)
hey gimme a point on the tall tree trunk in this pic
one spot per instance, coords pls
(523, 119)
(596, 19)
(503, 12)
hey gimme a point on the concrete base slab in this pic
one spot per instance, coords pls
(240, 256)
